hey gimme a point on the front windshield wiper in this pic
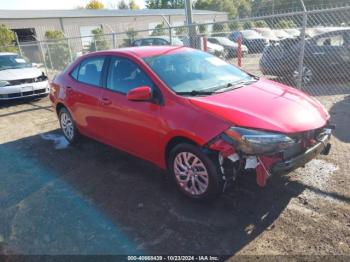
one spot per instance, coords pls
(219, 89)
(195, 93)
(234, 85)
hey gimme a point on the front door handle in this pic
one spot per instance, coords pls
(105, 101)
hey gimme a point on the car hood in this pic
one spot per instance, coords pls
(19, 73)
(266, 105)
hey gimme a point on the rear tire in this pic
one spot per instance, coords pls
(307, 77)
(68, 127)
(195, 173)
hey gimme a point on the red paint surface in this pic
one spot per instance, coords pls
(142, 93)
(145, 129)
(262, 169)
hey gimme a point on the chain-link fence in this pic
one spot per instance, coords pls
(303, 49)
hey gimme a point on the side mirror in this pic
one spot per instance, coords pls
(142, 93)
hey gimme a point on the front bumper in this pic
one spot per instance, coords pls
(321, 147)
(24, 90)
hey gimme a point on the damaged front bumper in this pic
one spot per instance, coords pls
(323, 146)
(307, 146)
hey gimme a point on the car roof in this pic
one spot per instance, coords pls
(7, 53)
(147, 51)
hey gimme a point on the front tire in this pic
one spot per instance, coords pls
(195, 173)
(68, 127)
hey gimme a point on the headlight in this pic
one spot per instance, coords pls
(4, 83)
(255, 142)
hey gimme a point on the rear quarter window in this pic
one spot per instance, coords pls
(89, 71)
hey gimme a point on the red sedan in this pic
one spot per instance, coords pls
(202, 119)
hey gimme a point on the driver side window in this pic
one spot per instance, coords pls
(124, 75)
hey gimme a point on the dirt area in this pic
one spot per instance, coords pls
(93, 199)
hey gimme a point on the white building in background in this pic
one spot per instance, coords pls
(31, 25)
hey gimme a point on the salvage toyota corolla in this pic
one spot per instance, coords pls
(191, 113)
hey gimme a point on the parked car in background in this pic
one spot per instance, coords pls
(281, 34)
(292, 32)
(268, 33)
(326, 56)
(254, 41)
(157, 40)
(19, 78)
(191, 113)
(229, 46)
(215, 49)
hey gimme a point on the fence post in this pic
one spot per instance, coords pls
(169, 28)
(114, 39)
(189, 20)
(70, 51)
(19, 46)
(43, 57)
(49, 55)
(302, 47)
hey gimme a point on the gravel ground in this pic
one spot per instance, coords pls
(93, 199)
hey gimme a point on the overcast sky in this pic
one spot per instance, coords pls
(56, 4)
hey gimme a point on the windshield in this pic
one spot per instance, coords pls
(251, 34)
(195, 71)
(13, 62)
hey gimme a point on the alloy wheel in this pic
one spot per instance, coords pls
(67, 126)
(306, 77)
(191, 173)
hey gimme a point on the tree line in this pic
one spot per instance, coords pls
(246, 8)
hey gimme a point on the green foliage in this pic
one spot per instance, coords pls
(159, 30)
(203, 29)
(180, 30)
(133, 5)
(248, 25)
(99, 41)
(131, 35)
(94, 4)
(7, 40)
(123, 5)
(261, 23)
(57, 55)
(219, 29)
(286, 23)
(165, 4)
(264, 7)
(235, 26)
(234, 8)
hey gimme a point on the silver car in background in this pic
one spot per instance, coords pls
(18, 78)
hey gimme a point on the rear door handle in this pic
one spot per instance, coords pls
(105, 101)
